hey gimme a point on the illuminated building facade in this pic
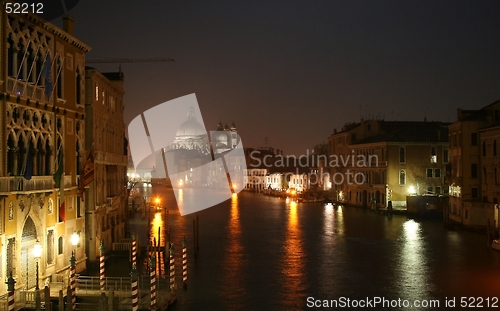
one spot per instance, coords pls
(376, 161)
(106, 195)
(43, 139)
(474, 166)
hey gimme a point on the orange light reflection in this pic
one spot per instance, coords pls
(234, 286)
(293, 265)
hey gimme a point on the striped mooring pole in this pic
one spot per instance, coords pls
(134, 250)
(184, 263)
(101, 268)
(152, 274)
(72, 280)
(10, 296)
(172, 268)
(135, 297)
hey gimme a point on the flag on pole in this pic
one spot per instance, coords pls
(60, 169)
(47, 74)
(87, 174)
(27, 170)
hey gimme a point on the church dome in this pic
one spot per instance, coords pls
(191, 127)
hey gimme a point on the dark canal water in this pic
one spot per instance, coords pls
(263, 253)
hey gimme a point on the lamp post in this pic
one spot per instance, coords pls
(37, 253)
(72, 269)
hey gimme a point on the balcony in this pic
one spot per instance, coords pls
(36, 183)
(26, 89)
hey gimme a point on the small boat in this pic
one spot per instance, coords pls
(495, 245)
(327, 201)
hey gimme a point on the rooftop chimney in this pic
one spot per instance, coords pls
(68, 24)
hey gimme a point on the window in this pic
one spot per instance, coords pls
(437, 190)
(59, 79)
(433, 155)
(50, 247)
(473, 139)
(78, 87)
(437, 172)
(402, 155)
(60, 245)
(11, 253)
(60, 210)
(430, 190)
(429, 172)
(78, 207)
(445, 155)
(474, 192)
(473, 170)
(402, 177)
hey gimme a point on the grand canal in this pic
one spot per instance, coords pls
(263, 253)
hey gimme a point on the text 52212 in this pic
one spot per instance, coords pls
(24, 8)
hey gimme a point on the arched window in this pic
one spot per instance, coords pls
(60, 245)
(402, 177)
(50, 247)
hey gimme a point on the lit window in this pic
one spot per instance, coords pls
(433, 155)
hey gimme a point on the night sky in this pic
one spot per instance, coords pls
(293, 71)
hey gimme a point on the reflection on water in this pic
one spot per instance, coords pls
(330, 250)
(157, 240)
(412, 264)
(233, 288)
(261, 253)
(292, 263)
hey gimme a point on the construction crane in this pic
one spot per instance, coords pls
(128, 60)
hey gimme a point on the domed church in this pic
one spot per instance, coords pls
(191, 135)
(191, 148)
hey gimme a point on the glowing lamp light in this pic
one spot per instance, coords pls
(180, 182)
(157, 201)
(75, 238)
(37, 250)
(411, 190)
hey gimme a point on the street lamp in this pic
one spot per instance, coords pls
(75, 238)
(37, 253)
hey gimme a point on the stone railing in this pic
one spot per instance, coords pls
(19, 183)
(26, 89)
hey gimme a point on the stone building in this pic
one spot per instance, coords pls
(474, 189)
(43, 138)
(376, 161)
(105, 132)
